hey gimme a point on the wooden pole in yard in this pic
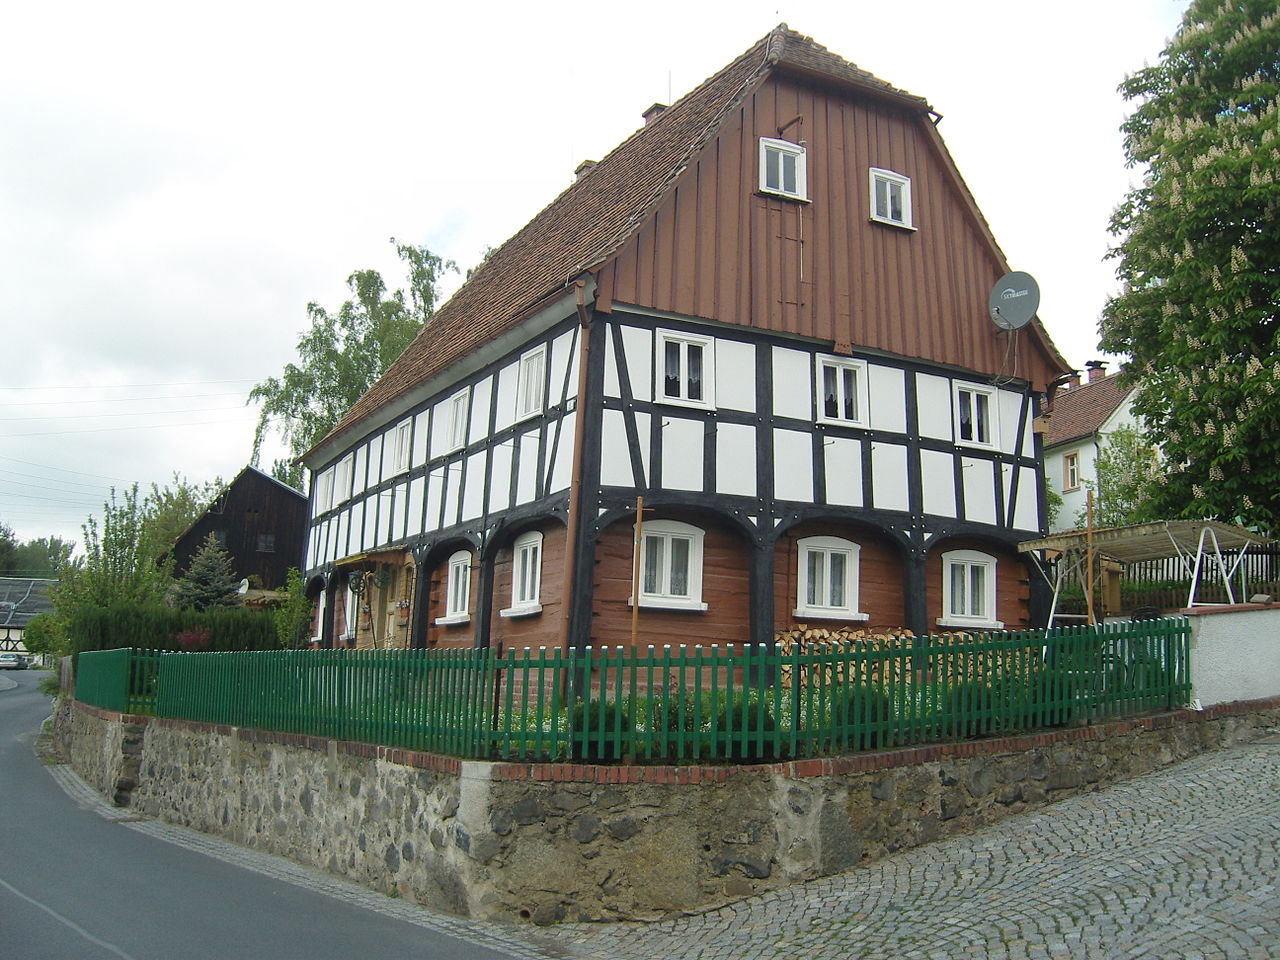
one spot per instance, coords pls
(635, 572)
(1088, 558)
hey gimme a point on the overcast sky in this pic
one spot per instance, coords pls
(177, 181)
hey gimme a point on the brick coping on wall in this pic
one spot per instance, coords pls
(1226, 608)
(696, 774)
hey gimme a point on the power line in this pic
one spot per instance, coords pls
(120, 386)
(49, 466)
(144, 426)
(170, 396)
(127, 413)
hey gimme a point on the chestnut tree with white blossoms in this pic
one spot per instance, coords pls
(1199, 259)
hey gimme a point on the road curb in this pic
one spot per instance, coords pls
(7, 684)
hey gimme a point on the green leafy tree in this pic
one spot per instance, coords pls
(1127, 469)
(46, 633)
(292, 615)
(8, 551)
(116, 565)
(343, 353)
(43, 557)
(209, 581)
(1200, 263)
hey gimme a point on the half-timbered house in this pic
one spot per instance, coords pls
(765, 313)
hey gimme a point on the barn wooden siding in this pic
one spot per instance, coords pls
(717, 248)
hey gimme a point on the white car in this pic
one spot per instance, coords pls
(12, 661)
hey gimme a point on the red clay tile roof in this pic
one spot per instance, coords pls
(1080, 411)
(596, 215)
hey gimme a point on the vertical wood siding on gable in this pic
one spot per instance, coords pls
(716, 248)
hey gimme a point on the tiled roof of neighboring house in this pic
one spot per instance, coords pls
(1080, 411)
(22, 598)
(595, 216)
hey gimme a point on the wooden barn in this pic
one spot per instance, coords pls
(259, 521)
(765, 313)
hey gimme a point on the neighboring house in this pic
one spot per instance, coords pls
(766, 313)
(20, 600)
(260, 522)
(1082, 416)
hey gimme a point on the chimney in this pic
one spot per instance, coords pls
(1097, 370)
(1072, 381)
(582, 168)
(652, 113)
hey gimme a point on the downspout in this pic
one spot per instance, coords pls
(575, 477)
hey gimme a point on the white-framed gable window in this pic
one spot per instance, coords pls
(324, 491)
(526, 576)
(841, 391)
(975, 415)
(456, 418)
(890, 198)
(671, 566)
(342, 479)
(531, 390)
(782, 169)
(1071, 471)
(685, 367)
(828, 579)
(969, 590)
(457, 591)
(403, 445)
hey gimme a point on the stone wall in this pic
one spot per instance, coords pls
(549, 842)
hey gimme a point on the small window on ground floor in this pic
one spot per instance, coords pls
(828, 579)
(671, 566)
(969, 590)
(457, 602)
(526, 576)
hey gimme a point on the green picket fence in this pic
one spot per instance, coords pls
(736, 703)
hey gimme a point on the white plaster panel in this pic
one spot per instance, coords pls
(353, 532)
(792, 384)
(414, 520)
(792, 462)
(341, 525)
(611, 386)
(637, 344)
(564, 353)
(309, 557)
(439, 429)
(393, 514)
(500, 477)
(644, 423)
(615, 457)
(435, 496)
(887, 398)
(735, 375)
(420, 424)
(1234, 656)
(527, 468)
(1027, 512)
(843, 461)
(889, 482)
(375, 461)
(562, 469)
(369, 540)
(481, 399)
(358, 462)
(1010, 410)
(473, 492)
(322, 539)
(979, 477)
(937, 475)
(452, 491)
(736, 459)
(933, 400)
(682, 448)
(508, 377)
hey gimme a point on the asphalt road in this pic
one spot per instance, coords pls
(75, 886)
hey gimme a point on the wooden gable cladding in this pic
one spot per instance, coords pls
(719, 249)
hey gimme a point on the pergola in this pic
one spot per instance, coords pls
(1193, 542)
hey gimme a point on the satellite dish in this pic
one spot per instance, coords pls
(244, 586)
(1014, 300)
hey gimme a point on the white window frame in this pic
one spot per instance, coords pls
(669, 531)
(342, 476)
(969, 560)
(324, 491)
(861, 396)
(526, 576)
(403, 445)
(992, 422)
(784, 150)
(827, 547)
(879, 175)
(456, 409)
(531, 384)
(685, 340)
(1071, 471)
(457, 590)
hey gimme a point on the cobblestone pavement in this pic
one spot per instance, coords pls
(1183, 863)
